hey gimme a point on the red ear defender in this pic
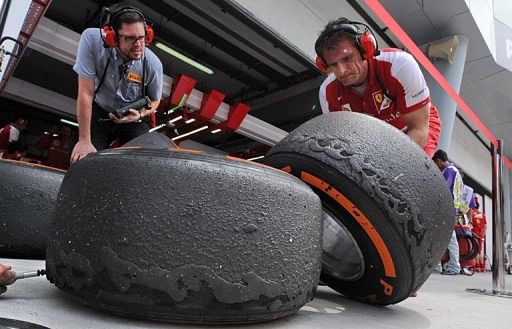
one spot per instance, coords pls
(321, 66)
(109, 36)
(150, 33)
(368, 44)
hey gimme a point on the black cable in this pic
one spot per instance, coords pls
(471, 247)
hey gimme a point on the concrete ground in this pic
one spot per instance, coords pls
(441, 303)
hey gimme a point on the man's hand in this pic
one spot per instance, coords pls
(6, 277)
(132, 117)
(81, 150)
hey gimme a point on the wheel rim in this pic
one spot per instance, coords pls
(341, 256)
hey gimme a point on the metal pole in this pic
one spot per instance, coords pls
(498, 224)
(498, 227)
(3, 15)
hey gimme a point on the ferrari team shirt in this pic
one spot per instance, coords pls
(395, 86)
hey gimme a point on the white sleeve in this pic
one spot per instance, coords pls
(15, 134)
(85, 65)
(322, 93)
(323, 101)
(408, 73)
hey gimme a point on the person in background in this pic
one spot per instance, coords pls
(45, 140)
(10, 134)
(468, 199)
(454, 180)
(59, 150)
(479, 222)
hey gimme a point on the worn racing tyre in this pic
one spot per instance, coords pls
(151, 140)
(27, 199)
(388, 212)
(182, 236)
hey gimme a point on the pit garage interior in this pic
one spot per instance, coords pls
(260, 53)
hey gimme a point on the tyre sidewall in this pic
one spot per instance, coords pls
(374, 286)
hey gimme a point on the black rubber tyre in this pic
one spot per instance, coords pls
(383, 190)
(27, 197)
(151, 140)
(183, 236)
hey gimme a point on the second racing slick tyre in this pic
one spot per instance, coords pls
(388, 214)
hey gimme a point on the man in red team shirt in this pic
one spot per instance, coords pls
(387, 84)
(479, 223)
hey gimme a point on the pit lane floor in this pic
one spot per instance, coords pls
(442, 302)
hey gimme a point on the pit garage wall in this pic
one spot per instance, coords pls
(469, 154)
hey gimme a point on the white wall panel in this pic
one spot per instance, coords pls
(468, 153)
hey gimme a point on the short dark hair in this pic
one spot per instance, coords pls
(123, 13)
(440, 155)
(332, 35)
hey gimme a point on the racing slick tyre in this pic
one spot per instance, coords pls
(388, 214)
(28, 196)
(151, 140)
(178, 235)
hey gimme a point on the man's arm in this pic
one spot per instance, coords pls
(407, 84)
(84, 113)
(417, 124)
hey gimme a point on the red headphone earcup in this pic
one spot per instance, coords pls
(368, 44)
(109, 36)
(150, 33)
(321, 65)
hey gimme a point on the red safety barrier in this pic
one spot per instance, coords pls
(210, 104)
(390, 22)
(236, 115)
(182, 85)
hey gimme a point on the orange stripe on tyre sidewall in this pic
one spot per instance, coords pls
(359, 216)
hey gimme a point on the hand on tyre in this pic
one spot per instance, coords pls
(81, 150)
(6, 277)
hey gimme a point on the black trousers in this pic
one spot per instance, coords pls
(105, 132)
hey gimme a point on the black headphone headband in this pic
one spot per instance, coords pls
(112, 17)
(348, 27)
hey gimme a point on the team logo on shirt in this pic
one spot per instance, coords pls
(135, 78)
(381, 101)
